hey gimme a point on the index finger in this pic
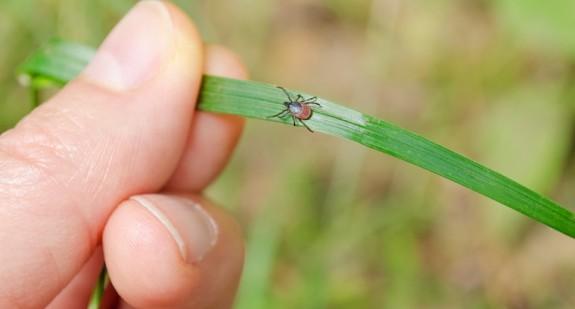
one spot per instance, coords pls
(213, 137)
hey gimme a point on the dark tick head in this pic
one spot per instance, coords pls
(295, 108)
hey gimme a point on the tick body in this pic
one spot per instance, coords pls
(299, 109)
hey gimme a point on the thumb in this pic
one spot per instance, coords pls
(117, 130)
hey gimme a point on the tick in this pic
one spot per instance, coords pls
(299, 108)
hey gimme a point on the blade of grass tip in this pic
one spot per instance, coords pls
(258, 100)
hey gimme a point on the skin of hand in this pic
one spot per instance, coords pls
(112, 169)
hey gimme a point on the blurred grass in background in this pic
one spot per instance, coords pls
(330, 224)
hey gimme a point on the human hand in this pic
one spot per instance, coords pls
(91, 167)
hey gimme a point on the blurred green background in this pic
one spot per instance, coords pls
(330, 224)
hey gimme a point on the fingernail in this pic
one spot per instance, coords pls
(133, 52)
(192, 228)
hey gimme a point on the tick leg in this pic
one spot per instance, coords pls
(287, 93)
(312, 101)
(279, 114)
(299, 98)
(293, 119)
(305, 125)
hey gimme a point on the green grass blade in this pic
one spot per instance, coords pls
(61, 62)
(58, 62)
(98, 292)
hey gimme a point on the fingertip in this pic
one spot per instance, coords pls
(222, 61)
(189, 43)
(143, 261)
(171, 251)
(213, 137)
(212, 140)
